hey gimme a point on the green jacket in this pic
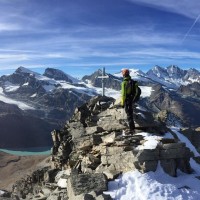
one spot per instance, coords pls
(124, 90)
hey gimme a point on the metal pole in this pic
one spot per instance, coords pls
(103, 75)
(102, 78)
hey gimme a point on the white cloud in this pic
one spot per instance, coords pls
(13, 57)
(9, 27)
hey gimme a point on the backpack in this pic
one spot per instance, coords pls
(133, 90)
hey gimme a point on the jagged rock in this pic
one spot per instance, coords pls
(122, 161)
(184, 165)
(111, 125)
(175, 153)
(147, 155)
(89, 163)
(76, 129)
(85, 183)
(110, 171)
(92, 130)
(193, 135)
(5, 194)
(110, 138)
(169, 166)
(146, 166)
(49, 176)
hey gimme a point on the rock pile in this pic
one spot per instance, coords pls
(91, 150)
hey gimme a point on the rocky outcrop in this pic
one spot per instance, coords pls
(193, 135)
(190, 90)
(90, 150)
(184, 110)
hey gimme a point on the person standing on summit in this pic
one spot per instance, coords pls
(129, 90)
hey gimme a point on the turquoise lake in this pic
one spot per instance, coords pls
(28, 151)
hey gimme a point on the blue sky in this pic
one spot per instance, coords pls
(80, 36)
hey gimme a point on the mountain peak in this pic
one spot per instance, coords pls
(58, 75)
(24, 70)
(174, 70)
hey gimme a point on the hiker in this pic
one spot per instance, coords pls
(128, 97)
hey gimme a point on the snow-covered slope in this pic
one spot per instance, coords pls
(158, 185)
(173, 76)
(136, 74)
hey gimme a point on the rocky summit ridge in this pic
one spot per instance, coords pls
(90, 150)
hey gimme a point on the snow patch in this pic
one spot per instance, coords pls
(9, 87)
(34, 95)
(146, 91)
(26, 84)
(154, 186)
(151, 141)
(7, 100)
(49, 88)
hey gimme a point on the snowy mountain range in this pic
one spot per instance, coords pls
(51, 98)
(171, 77)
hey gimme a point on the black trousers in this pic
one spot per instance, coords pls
(129, 112)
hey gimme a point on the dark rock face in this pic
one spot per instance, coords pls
(184, 110)
(175, 72)
(193, 135)
(86, 183)
(57, 74)
(192, 74)
(111, 82)
(191, 90)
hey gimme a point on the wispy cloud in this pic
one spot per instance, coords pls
(184, 7)
(9, 27)
(46, 33)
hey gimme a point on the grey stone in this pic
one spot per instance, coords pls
(112, 150)
(173, 145)
(76, 129)
(85, 183)
(89, 161)
(88, 197)
(173, 153)
(169, 166)
(184, 165)
(109, 125)
(92, 130)
(109, 171)
(49, 176)
(110, 138)
(123, 162)
(96, 139)
(147, 154)
(84, 143)
(146, 166)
